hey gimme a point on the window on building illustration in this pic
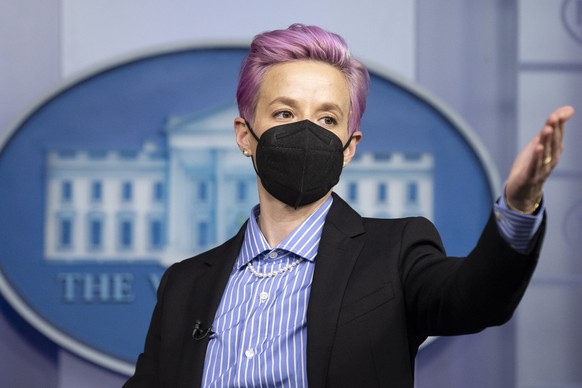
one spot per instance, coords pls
(96, 191)
(352, 191)
(158, 192)
(67, 154)
(382, 193)
(383, 156)
(126, 234)
(241, 191)
(412, 193)
(96, 233)
(67, 191)
(128, 154)
(97, 155)
(203, 232)
(156, 234)
(202, 191)
(413, 156)
(126, 191)
(65, 233)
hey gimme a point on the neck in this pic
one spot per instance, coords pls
(278, 220)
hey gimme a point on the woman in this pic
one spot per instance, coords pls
(309, 293)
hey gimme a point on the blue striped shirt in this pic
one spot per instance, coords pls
(260, 326)
(516, 228)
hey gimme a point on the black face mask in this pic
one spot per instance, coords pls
(298, 163)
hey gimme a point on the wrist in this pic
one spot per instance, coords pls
(531, 209)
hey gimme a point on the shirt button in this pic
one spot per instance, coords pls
(250, 353)
(273, 255)
(263, 296)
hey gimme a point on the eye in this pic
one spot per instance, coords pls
(284, 114)
(329, 121)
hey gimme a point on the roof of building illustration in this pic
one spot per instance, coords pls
(219, 118)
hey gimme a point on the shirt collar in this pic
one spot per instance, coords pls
(302, 241)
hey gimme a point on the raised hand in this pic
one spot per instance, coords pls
(534, 164)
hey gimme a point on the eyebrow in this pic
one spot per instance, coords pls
(331, 106)
(328, 106)
(284, 100)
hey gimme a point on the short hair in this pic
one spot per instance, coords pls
(297, 43)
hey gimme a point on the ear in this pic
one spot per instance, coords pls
(351, 150)
(243, 136)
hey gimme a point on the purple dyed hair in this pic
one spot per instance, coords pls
(298, 43)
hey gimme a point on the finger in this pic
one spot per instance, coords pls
(552, 146)
(562, 114)
(540, 162)
(556, 122)
(547, 145)
(552, 137)
(565, 113)
(557, 145)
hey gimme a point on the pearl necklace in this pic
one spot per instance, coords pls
(275, 272)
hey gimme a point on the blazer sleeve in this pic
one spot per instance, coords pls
(452, 296)
(147, 367)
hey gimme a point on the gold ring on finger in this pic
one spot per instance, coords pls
(547, 160)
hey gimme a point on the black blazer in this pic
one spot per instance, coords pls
(380, 287)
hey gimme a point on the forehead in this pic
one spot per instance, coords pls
(305, 80)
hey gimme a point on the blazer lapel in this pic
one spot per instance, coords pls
(337, 254)
(205, 296)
